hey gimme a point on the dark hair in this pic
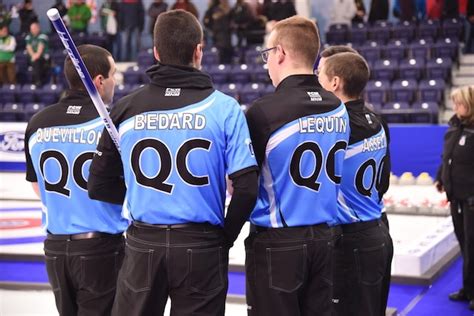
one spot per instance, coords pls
(176, 35)
(336, 49)
(352, 69)
(97, 63)
(300, 36)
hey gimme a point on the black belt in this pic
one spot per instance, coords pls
(199, 226)
(81, 236)
(260, 229)
(359, 226)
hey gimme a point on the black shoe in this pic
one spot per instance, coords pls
(460, 296)
(471, 305)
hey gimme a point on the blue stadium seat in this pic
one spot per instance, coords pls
(58, 57)
(432, 90)
(411, 68)
(424, 112)
(8, 93)
(358, 33)
(252, 56)
(452, 28)
(385, 69)
(145, 58)
(240, 73)
(395, 112)
(376, 91)
(31, 109)
(133, 75)
(12, 112)
(380, 32)
(260, 74)
(49, 94)
(219, 73)
(121, 91)
(27, 94)
(210, 57)
(403, 30)
(439, 68)
(446, 47)
(371, 51)
(428, 29)
(251, 92)
(420, 49)
(231, 89)
(337, 34)
(394, 50)
(404, 90)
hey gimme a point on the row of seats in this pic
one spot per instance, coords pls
(404, 112)
(99, 39)
(394, 112)
(383, 31)
(381, 91)
(30, 93)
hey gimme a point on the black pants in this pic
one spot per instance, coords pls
(189, 265)
(363, 255)
(40, 70)
(462, 212)
(83, 273)
(289, 271)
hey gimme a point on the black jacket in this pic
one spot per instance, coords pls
(456, 172)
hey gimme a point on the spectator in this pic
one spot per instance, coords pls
(434, 8)
(450, 9)
(79, 15)
(37, 48)
(7, 57)
(186, 5)
(278, 10)
(27, 16)
(61, 7)
(342, 12)
(109, 13)
(131, 23)
(420, 9)
(241, 17)
(217, 19)
(456, 178)
(469, 47)
(378, 10)
(156, 8)
(360, 13)
(5, 16)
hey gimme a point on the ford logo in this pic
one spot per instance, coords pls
(12, 142)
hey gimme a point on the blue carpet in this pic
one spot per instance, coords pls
(18, 271)
(434, 299)
(436, 302)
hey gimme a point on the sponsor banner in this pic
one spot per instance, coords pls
(12, 147)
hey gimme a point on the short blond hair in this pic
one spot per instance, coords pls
(465, 96)
(300, 36)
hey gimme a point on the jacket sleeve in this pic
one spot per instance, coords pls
(243, 200)
(106, 182)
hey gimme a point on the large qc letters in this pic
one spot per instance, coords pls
(166, 163)
(311, 182)
(77, 167)
(376, 176)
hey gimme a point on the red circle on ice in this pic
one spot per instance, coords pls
(19, 223)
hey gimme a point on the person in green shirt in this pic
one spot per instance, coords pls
(37, 48)
(79, 15)
(7, 57)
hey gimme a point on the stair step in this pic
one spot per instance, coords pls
(466, 59)
(463, 81)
